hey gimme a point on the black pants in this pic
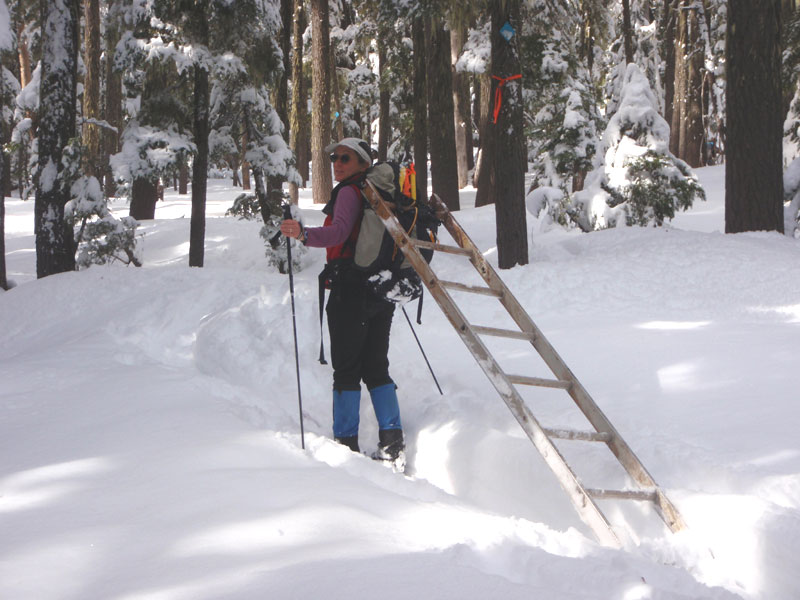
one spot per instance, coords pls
(359, 325)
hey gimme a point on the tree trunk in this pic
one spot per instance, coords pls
(144, 195)
(55, 244)
(298, 127)
(668, 45)
(483, 178)
(444, 170)
(91, 89)
(113, 107)
(686, 141)
(627, 31)
(3, 277)
(183, 176)
(384, 98)
(420, 108)
(3, 182)
(586, 39)
(462, 126)
(245, 164)
(24, 55)
(282, 95)
(335, 96)
(509, 158)
(321, 182)
(753, 151)
(197, 233)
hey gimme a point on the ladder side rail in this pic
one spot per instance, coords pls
(625, 455)
(588, 510)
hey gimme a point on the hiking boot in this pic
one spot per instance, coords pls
(391, 449)
(349, 441)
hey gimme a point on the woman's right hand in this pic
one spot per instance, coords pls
(291, 228)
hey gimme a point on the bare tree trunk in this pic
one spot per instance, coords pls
(183, 177)
(298, 128)
(335, 96)
(113, 107)
(282, 94)
(420, 107)
(3, 183)
(384, 97)
(55, 244)
(669, 42)
(679, 93)
(91, 88)
(753, 152)
(3, 276)
(463, 129)
(24, 56)
(509, 158)
(144, 195)
(686, 140)
(245, 164)
(586, 43)
(484, 168)
(693, 134)
(627, 31)
(444, 170)
(321, 182)
(197, 227)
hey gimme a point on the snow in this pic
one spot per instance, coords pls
(6, 35)
(150, 446)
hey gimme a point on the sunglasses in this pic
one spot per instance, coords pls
(344, 158)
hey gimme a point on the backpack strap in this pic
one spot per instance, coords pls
(321, 280)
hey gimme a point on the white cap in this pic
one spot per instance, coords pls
(357, 145)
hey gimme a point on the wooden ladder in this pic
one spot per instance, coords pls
(583, 498)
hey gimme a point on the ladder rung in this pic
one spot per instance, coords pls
(540, 382)
(475, 289)
(642, 495)
(585, 436)
(441, 247)
(509, 333)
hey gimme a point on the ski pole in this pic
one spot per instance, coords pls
(436, 381)
(287, 214)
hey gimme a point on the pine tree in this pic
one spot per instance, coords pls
(637, 181)
(55, 247)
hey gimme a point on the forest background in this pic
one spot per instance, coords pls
(525, 99)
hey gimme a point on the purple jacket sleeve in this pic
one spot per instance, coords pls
(345, 213)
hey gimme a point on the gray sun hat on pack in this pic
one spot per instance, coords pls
(357, 145)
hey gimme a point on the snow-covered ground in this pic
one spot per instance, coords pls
(150, 446)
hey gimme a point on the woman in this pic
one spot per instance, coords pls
(358, 322)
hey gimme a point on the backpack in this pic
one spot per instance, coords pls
(390, 275)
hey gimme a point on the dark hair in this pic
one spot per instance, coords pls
(365, 147)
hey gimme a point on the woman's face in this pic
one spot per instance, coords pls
(346, 163)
